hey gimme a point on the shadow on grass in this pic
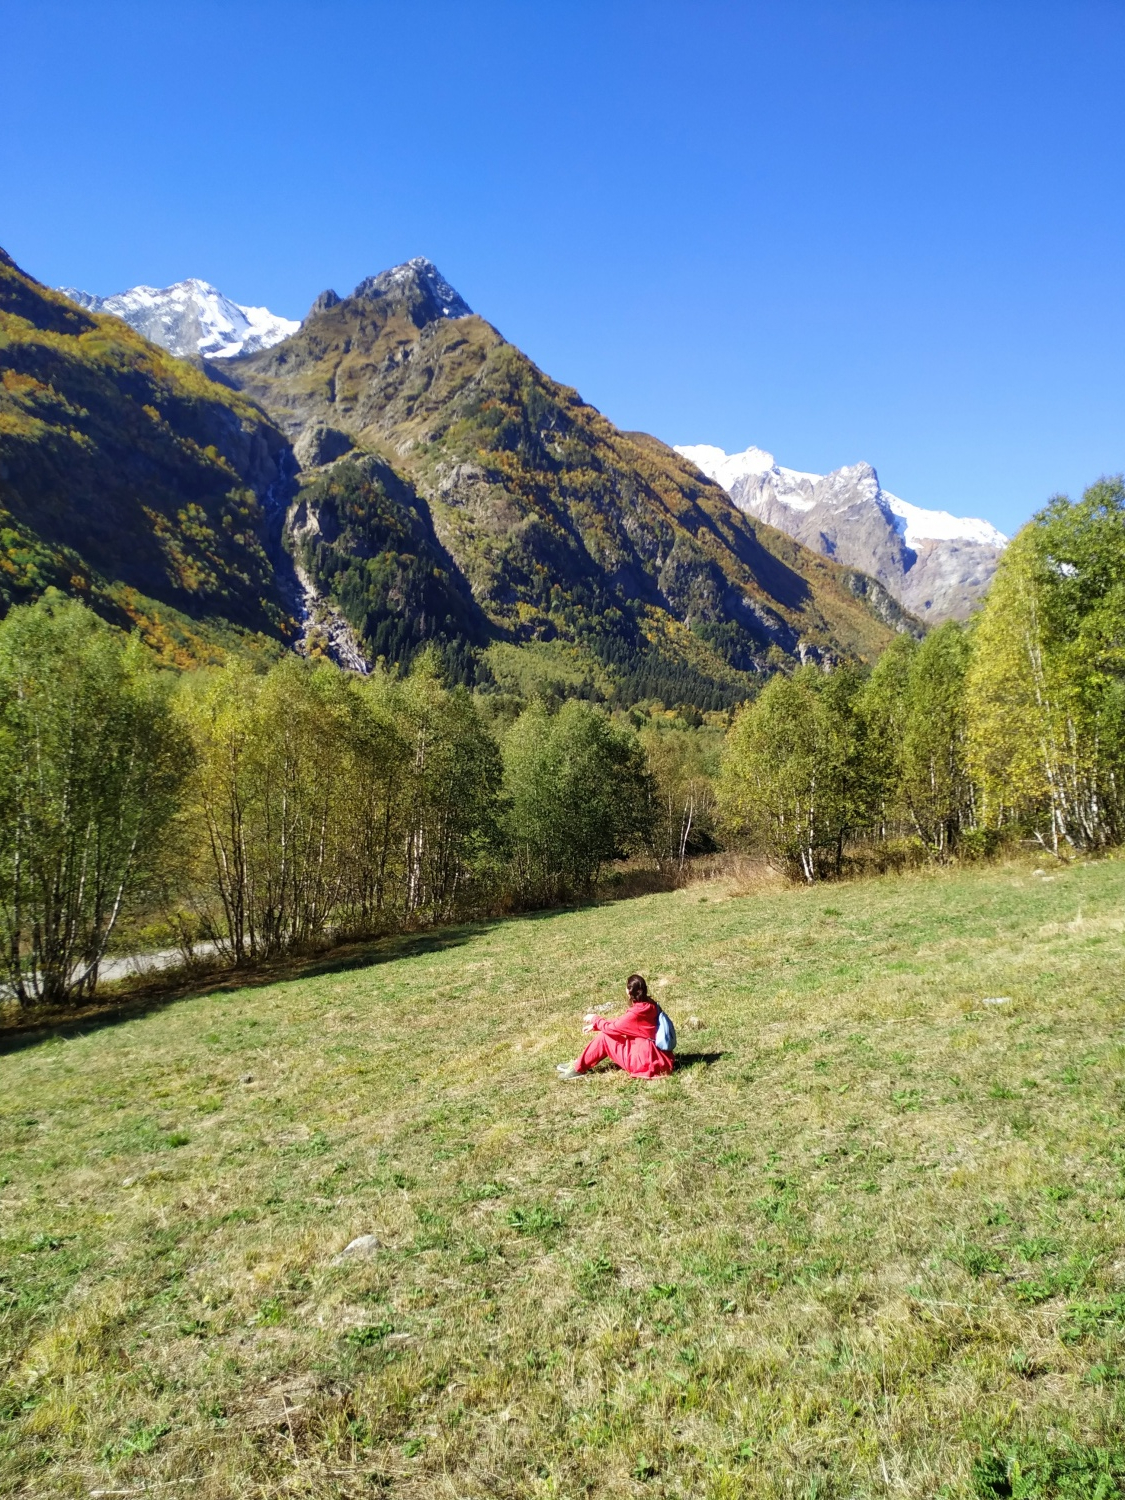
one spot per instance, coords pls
(696, 1060)
(142, 997)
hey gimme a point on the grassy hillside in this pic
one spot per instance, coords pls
(563, 526)
(865, 1241)
(127, 476)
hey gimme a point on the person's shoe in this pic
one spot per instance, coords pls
(568, 1070)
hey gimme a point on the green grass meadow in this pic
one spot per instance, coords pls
(869, 1239)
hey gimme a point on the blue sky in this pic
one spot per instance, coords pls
(839, 231)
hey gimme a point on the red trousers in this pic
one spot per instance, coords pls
(637, 1055)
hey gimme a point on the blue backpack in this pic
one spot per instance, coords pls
(665, 1032)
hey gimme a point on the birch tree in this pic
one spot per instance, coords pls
(1046, 690)
(271, 776)
(579, 794)
(936, 786)
(915, 729)
(792, 779)
(373, 811)
(683, 764)
(91, 768)
(883, 707)
(449, 812)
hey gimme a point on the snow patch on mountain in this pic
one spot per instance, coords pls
(917, 525)
(191, 317)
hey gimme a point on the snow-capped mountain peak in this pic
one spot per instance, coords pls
(933, 562)
(789, 487)
(844, 485)
(191, 317)
(722, 466)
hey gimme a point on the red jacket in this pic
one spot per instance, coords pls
(631, 1040)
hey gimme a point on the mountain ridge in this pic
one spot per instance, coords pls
(128, 478)
(395, 474)
(190, 317)
(932, 563)
(935, 564)
(563, 525)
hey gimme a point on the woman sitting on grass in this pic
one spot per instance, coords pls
(628, 1040)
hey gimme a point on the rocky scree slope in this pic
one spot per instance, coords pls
(936, 565)
(128, 478)
(546, 521)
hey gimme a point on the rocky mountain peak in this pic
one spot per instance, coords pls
(935, 564)
(421, 286)
(851, 485)
(327, 299)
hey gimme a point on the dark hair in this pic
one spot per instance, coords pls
(637, 988)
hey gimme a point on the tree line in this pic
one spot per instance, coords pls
(1011, 726)
(267, 810)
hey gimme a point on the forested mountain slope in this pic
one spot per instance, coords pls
(364, 542)
(563, 526)
(127, 477)
(417, 479)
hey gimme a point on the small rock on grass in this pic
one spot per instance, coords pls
(997, 1000)
(246, 1078)
(366, 1244)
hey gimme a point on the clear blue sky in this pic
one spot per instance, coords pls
(891, 231)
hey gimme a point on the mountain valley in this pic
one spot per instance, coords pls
(391, 474)
(935, 565)
(564, 528)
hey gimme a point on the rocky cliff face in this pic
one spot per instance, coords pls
(936, 565)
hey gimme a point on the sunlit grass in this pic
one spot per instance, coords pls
(871, 1245)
